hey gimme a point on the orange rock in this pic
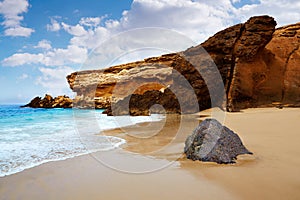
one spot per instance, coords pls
(258, 66)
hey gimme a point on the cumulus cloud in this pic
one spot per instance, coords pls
(11, 11)
(18, 31)
(70, 55)
(76, 30)
(19, 59)
(54, 26)
(54, 80)
(284, 11)
(54, 57)
(91, 21)
(92, 37)
(197, 20)
(43, 44)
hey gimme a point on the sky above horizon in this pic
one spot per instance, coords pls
(41, 42)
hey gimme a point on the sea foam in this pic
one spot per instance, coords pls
(30, 137)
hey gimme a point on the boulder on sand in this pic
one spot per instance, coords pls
(213, 142)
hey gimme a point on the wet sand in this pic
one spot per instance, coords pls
(151, 165)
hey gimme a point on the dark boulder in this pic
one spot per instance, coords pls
(213, 142)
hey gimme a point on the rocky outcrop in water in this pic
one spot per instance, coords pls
(50, 102)
(212, 142)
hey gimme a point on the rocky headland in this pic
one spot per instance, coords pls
(257, 66)
(49, 102)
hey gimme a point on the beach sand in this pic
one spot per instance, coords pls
(151, 165)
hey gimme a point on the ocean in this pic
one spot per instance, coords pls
(30, 137)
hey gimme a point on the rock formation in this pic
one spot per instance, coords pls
(246, 65)
(281, 82)
(233, 50)
(50, 102)
(212, 142)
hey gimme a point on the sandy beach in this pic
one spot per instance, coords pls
(151, 165)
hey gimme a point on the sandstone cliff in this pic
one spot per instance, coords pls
(272, 76)
(256, 64)
(282, 67)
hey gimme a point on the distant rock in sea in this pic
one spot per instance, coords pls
(212, 142)
(50, 102)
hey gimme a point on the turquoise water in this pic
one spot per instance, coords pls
(30, 137)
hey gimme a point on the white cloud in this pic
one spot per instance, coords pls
(18, 31)
(284, 11)
(44, 44)
(92, 38)
(112, 24)
(55, 57)
(71, 55)
(195, 19)
(76, 30)
(19, 59)
(54, 80)
(54, 26)
(91, 21)
(11, 11)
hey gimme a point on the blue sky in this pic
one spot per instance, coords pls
(43, 41)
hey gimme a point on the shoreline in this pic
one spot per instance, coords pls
(52, 155)
(271, 173)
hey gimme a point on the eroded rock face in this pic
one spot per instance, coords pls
(98, 88)
(50, 102)
(152, 81)
(258, 67)
(272, 76)
(144, 104)
(235, 51)
(212, 142)
(283, 65)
